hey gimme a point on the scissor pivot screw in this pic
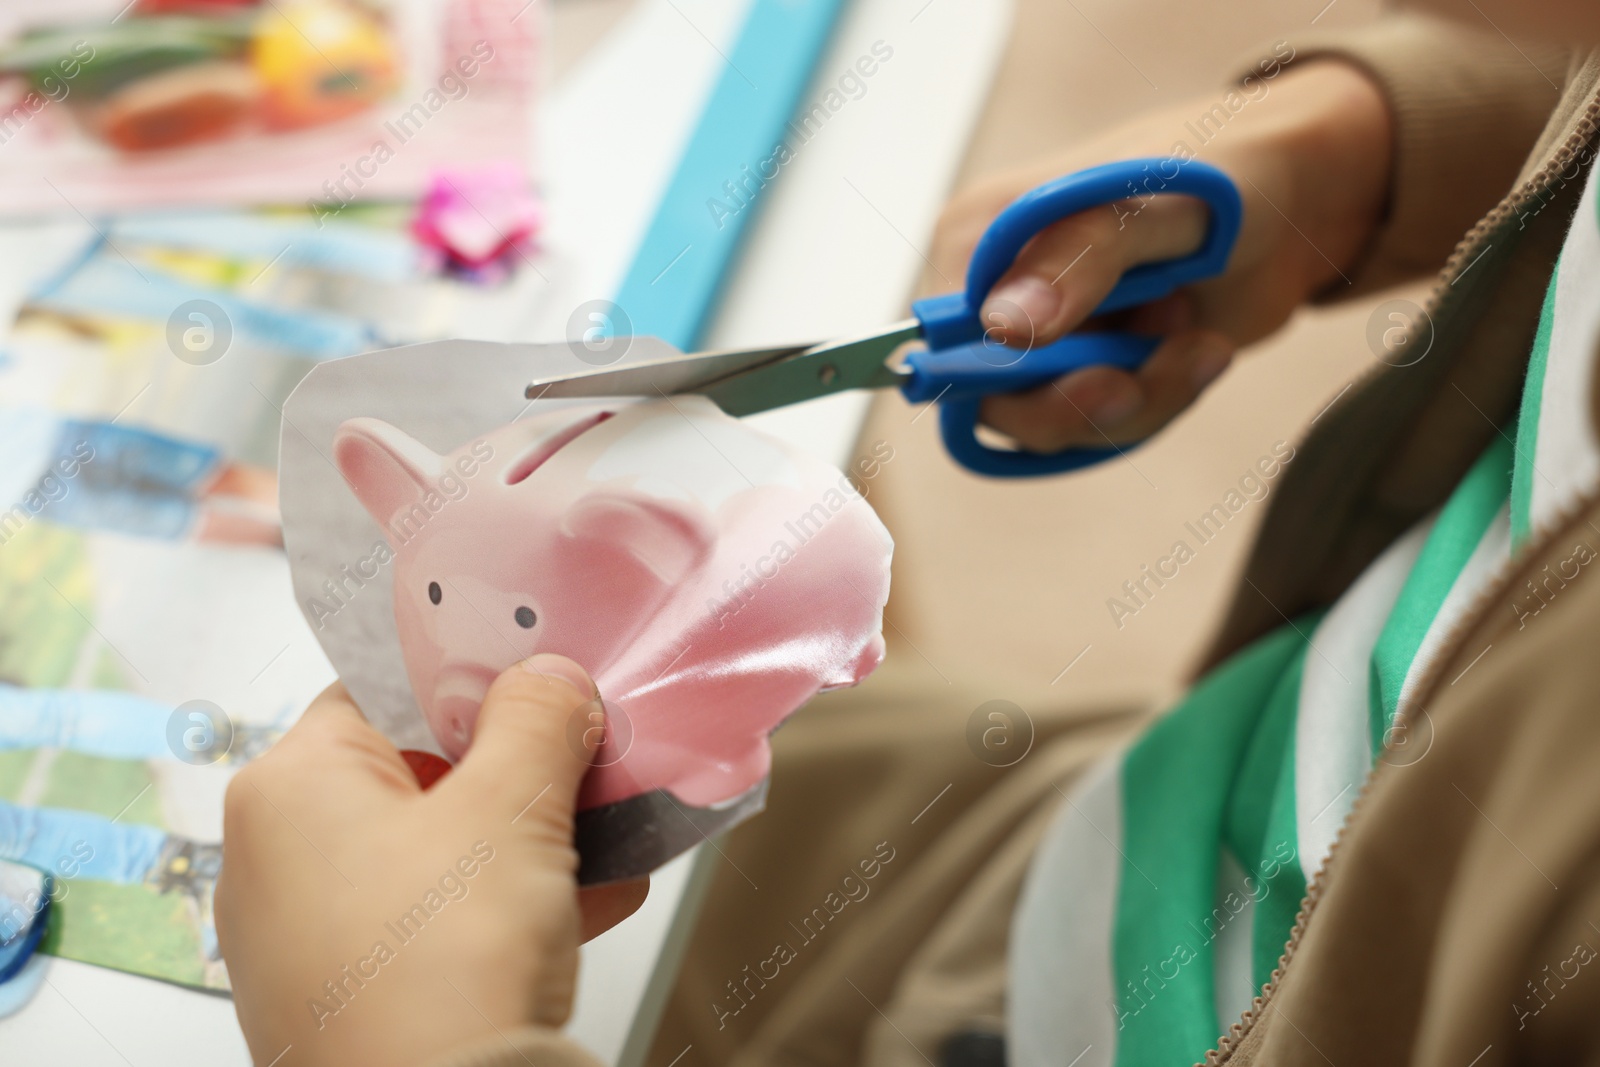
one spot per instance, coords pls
(827, 373)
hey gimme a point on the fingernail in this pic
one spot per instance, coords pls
(550, 665)
(1213, 355)
(1021, 308)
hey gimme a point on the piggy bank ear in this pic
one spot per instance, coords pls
(668, 539)
(388, 469)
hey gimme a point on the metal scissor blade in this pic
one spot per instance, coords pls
(745, 381)
(858, 363)
(661, 375)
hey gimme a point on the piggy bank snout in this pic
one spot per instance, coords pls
(454, 704)
(458, 633)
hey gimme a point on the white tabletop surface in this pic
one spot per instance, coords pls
(836, 250)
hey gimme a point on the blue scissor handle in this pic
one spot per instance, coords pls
(960, 365)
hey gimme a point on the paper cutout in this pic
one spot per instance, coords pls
(472, 219)
(710, 577)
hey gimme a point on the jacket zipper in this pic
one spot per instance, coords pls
(1535, 186)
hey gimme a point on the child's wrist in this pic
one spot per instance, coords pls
(1335, 139)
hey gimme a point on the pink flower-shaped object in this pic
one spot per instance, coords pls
(474, 217)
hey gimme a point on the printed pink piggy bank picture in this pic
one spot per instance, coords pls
(711, 579)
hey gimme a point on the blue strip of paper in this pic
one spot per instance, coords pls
(672, 286)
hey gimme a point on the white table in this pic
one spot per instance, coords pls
(836, 250)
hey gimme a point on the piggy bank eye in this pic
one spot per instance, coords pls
(525, 618)
(435, 594)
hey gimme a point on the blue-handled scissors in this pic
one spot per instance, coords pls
(960, 364)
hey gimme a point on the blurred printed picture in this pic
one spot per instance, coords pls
(178, 72)
(167, 102)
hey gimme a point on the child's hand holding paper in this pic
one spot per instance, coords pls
(365, 921)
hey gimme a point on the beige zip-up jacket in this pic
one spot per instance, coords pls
(1457, 922)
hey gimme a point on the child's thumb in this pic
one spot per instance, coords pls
(528, 751)
(1064, 273)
